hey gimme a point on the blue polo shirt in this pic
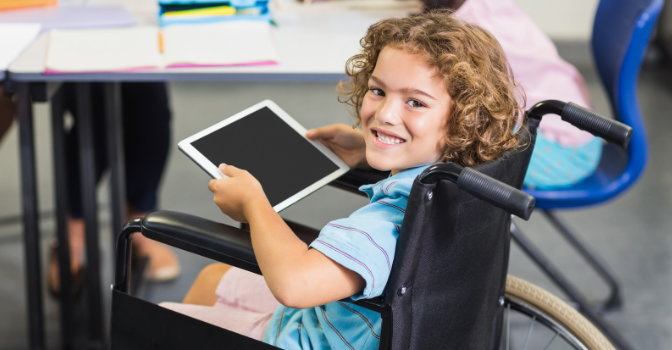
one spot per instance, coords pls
(364, 243)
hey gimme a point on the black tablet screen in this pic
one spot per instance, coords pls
(283, 161)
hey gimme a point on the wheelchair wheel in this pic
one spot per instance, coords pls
(536, 319)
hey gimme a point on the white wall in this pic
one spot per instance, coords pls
(562, 19)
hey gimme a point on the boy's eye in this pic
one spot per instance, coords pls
(415, 103)
(377, 92)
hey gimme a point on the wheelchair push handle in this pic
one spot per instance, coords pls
(611, 130)
(608, 129)
(482, 186)
(497, 193)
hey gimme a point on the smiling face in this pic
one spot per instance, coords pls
(405, 113)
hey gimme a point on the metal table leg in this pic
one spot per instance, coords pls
(61, 204)
(115, 149)
(31, 234)
(90, 211)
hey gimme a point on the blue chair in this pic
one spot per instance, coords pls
(621, 33)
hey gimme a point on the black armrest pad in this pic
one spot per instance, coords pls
(200, 236)
(351, 180)
(220, 242)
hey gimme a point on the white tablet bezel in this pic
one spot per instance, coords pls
(212, 169)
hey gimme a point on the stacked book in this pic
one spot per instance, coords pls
(20, 4)
(209, 11)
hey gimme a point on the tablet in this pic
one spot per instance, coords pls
(271, 145)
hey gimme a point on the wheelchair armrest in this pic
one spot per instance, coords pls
(207, 238)
(353, 179)
(200, 236)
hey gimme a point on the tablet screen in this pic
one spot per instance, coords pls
(262, 143)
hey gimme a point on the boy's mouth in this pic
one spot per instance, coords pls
(387, 138)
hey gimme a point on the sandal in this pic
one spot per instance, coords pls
(163, 265)
(53, 275)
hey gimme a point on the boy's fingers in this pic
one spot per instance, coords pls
(211, 185)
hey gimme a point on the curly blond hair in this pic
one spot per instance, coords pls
(481, 124)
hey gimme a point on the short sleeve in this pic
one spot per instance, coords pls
(364, 243)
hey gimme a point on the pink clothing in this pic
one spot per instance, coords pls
(244, 304)
(535, 63)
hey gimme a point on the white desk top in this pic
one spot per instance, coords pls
(313, 46)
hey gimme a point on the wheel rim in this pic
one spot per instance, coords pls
(559, 333)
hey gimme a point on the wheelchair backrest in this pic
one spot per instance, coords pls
(451, 262)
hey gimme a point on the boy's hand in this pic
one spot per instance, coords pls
(346, 142)
(238, 193)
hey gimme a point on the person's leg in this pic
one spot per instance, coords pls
(146, 143)
(7, 112)
(202, 292)
(76, 229)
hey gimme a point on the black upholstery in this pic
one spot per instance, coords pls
(138, 324)
(452, 259)
(207, 238)
(447, 277)
(351, 180)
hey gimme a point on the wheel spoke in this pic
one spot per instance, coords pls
(508, 325)
(529, 332)
(552, 339)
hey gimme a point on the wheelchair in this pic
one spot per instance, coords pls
(448, 287)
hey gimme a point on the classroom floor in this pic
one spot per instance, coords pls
(631, 234)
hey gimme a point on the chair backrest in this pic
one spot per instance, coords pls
(451, 262)
(621, 33)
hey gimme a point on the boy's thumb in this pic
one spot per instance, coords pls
(312, 134)
(228, 170)
(323, 132)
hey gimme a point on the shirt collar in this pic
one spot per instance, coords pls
(409, 173)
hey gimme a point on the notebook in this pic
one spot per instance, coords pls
(14, 38)
(138, 48)
(219, 44)
(103, 50)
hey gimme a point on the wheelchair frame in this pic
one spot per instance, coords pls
(233, 246)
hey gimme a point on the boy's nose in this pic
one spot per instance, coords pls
(388, 112)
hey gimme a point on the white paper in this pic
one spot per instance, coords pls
(219, 44)
(103, 50)
(14, 38)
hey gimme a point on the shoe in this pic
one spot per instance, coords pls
(53, 275)
(163, 263)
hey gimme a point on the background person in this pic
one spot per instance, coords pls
(564, 155)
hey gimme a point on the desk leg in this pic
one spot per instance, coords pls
(115, 156)
(61, 204)
(31, 234)
(90, 211)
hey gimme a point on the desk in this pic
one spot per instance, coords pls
(313, 46)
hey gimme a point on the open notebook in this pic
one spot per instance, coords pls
(138, 48)
(14, 38)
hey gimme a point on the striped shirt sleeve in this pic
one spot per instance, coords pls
(365, 242)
